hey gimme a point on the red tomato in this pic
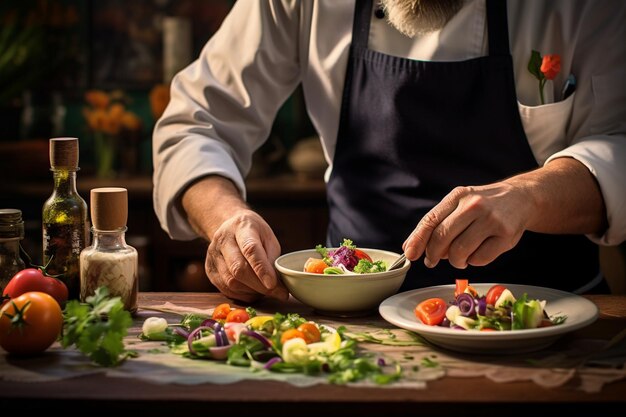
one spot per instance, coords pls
(38, 327)
(221, 312)
(362, 255)
(33, 279)
(461, 285)
(431, 311)
(291, 334)
(311, 332)
(238, 315)
(494, 293)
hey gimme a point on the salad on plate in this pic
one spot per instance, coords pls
(346, 259)
(496, 310)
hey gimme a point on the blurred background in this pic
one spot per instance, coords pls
(99, 71)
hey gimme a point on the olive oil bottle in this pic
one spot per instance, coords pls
(64, 215)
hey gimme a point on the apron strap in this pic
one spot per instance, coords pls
(361, 25)
(497, 27)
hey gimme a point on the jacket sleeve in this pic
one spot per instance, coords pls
(223, 105)
(598, 127)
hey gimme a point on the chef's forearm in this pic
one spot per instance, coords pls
(210, 201)
(566, 196)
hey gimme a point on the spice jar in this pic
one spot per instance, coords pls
(11, 232)
(109, 261)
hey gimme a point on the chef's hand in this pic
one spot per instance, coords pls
(242, 249)
(471, 226)
(474, 225)
(240, 259)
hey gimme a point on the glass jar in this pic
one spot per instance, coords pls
(65, 225)
(110, 262)
(11, 233)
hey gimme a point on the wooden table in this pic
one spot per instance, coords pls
(446, 396)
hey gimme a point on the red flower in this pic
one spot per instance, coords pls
(550, 66)
(544, 69)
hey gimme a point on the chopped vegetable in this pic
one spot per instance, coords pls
(431, 311)
(343, 260)
(498, 310)
(286, 343)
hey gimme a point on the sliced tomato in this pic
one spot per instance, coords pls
(431, 311)
(221, 312)
(494, 293)
(362, 255)
(461, 285)
(238, 315)
(315, 266)
(311, 332)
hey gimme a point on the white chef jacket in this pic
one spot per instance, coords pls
(223, 104)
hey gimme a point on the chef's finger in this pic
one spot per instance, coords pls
(236, 270)
(417, 242)
(256, 257)
(489, 250)
(465, 244)
(455, 219)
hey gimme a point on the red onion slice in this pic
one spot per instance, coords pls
(466, 304)
(268, 365)
(259, 337)
(192, 337)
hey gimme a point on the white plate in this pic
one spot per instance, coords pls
(580, 312)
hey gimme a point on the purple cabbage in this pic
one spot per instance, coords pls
(344, 256)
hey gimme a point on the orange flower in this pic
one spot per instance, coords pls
(97, 98)
(159, 98)
(550, 66)
(107, 113)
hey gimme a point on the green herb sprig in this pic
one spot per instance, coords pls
(97, 327)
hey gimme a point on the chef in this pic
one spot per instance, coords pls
(440, 141)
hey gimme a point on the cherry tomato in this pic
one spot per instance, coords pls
(238, 315)
(362, 255)
(34, 279)
(311, 332)
(291, 334)
(38, 327)
(221, 312)
(431, 311)
(315, 266)
(462, 285)
(494, 293)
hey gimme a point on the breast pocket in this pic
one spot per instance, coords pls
(545, 126)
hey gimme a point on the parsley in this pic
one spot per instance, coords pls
(97, 327)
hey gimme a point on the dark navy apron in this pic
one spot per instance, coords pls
(410, 131)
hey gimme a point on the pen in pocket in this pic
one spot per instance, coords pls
(569, 87)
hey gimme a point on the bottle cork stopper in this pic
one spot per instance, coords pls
(109, 208)
(64, 153)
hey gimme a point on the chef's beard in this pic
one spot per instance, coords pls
(419, 17)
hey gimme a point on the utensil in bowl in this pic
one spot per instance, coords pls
(398, 263)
